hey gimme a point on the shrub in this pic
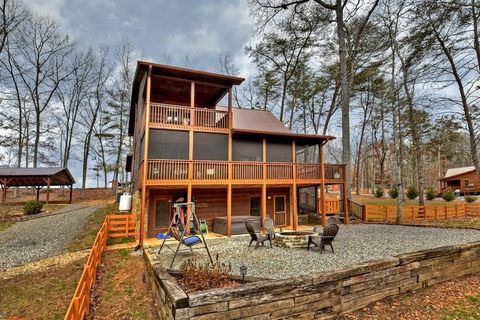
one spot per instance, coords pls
(198, 276)
(431, 193)
(412, 192)
(393, 192)
(32, 207)
(448, 196)
(470, 199)
(379, 192)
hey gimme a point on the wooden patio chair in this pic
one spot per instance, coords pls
(258, 238)
(325, 239)
(330, 220)
(269, 225)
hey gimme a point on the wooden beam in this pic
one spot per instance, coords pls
(322, 185)
(264, 184)
(71, 191)
(189, 207)
(49, 181)
(229, 210)
(294, 187)
(230, 169)
(346, 219)
(145, 157)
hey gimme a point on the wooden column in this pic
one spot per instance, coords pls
(322, 185)
(190, 154)
(49, 181)
(294, 187)
(346, 219)
(145, 157)
(38, 192)
(71, 190)
(5, 187)
(230, 158)
(263, 211)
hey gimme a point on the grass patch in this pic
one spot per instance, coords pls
(12, 210)
(90, 230)
(120, 240)
(5, 225)
(42, 295)
(466, 309)
(461, 222)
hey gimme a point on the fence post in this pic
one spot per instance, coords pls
(436, 212)
(456, 211)
(126, 225)
(364, 213)
(446, 212)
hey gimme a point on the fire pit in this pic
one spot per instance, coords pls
(292, 239)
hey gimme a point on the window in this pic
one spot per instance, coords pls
(247, 149)
(210, 146)
(255, 204)
(279, 152)
(467, 182)
(168, 144)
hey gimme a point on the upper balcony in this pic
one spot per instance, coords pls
(169, 116)
(243, 172)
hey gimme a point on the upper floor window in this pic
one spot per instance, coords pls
(210, 146)
(279, 151)
(247, 149)
(168, 144)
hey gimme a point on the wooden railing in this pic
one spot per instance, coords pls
(113, 226)
(388, 213)
(211, 118)
(206, 170)
(180, 117)
(355, 209)
(334, 171)
(210, 170)
(279, 171)
(247, 170)
(331, 205)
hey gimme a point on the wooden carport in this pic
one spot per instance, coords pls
(37, 178)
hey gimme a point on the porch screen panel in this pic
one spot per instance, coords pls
(210, 146)
(168, 144)
(247, 149)
(140, 152)
(279, 152)
(307, 153)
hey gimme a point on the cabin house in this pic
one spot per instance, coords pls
(232, 162)
(464, 179)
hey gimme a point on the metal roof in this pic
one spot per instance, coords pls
(35, 176)
(458, 171)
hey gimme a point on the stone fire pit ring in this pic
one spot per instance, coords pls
(292, 239)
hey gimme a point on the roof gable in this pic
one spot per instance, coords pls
(452, 172)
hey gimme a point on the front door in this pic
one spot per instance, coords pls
(161, 217)
(280, 210)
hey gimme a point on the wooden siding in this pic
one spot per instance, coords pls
(211, 203)
(461, 182)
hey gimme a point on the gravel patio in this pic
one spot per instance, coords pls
(354, 244)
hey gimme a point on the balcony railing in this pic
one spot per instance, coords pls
(175, 171)
(180, 117)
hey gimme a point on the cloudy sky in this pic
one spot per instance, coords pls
(180, 32)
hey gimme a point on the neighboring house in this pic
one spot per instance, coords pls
(231, 161)
(464, 179)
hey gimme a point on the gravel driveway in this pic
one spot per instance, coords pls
(354, 244)
(41, 238)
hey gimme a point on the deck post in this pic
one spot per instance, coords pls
(322, 185)
(230, 158)
(71, 190)
(345, 199)
(229, 210)
(38, 192)
(264, 176)
(190, 154)
(145, 157)
(294, 187)
(49, 181)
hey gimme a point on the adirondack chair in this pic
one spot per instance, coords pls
(325, 239)
(257, 237)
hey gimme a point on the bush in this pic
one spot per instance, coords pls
(393, 192)
(32, 207)
(470, 199)
(379, 192)
(448, 196)
(431, 193)
(412, 192)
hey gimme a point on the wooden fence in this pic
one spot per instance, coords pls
(388, 213)
(115, 225)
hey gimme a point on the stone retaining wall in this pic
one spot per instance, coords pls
(315, 296)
